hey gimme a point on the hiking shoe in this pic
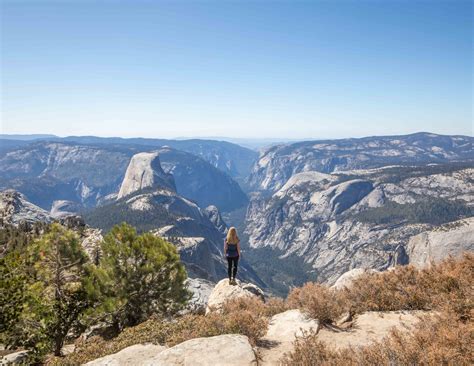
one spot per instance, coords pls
(234, 282)
(230, 282)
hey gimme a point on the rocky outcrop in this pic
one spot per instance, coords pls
(282, 332)
(144, 172)
(452, 239)
(90, 241)
(365, 329)
(201, 290)
(370, 327)
(14, 358)
(15, 209)
(224, 291)
(228, 349)
(139, 354)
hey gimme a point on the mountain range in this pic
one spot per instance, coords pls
(310, 210)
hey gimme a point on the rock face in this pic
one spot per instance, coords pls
(223, 350)
(215, 217)
(223, 292)
(279, 163)
(434, 245)
(144, 171)
(138, 354)
(365, 218)
(15, 209)
(201, 182)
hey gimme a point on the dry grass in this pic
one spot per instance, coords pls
(446, 338)
(439, 340)
(248, 317)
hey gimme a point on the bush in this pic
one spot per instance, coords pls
(318, 301)
(442, 286)
(403, 288)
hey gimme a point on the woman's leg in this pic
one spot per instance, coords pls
(236, 262)
(229, 267)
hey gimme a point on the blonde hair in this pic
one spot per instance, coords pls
(232, 237)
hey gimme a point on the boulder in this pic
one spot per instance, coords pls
(282, 331)
(14, 358)
(201, 290)
(16, 209)
(138, 354)
(223, 292)
(223, 350)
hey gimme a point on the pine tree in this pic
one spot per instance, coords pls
(137, 275)
(54, 297)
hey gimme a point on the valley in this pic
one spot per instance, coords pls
(306, 210)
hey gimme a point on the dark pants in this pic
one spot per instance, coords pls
(232, 266)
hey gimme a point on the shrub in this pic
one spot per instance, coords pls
(318, 301)
(446, 285)
(443, 338)
(403, 288)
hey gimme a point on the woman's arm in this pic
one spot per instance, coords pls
(238, 247)
(225, 247)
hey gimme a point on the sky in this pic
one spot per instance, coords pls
(243, 69)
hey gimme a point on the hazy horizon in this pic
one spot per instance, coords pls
(267, 70)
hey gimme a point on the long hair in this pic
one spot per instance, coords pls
(232, 237)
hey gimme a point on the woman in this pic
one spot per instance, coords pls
(232, 253)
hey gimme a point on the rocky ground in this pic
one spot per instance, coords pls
(234, 349)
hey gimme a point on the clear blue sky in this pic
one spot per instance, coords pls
(283, 69)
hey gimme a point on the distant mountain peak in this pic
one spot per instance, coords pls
(145, 171)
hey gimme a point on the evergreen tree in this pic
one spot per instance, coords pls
(137, 275)
(53, 294)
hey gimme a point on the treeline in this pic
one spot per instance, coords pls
(105, 217)
(50, 288)
(435, 211)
